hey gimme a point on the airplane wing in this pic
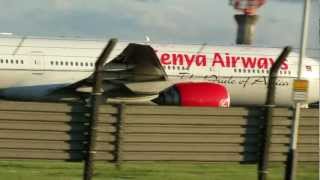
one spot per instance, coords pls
(141, 61)
(136, 64)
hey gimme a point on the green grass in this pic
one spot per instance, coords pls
(55, 170)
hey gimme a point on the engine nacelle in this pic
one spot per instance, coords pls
(195, 94)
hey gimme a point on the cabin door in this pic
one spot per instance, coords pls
(38, 62)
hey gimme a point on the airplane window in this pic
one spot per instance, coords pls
(7, 61)
(258, 71)
(61, 63)
(91, 64)
(285, 72)
(81, 64)
(280, 72)
(244, 70)
(173, 67)
(253, 70)
(267, 71)
(51, 62)
(21, 61)
(168, 67)
(71, 63)
(289, 72)
(86, 64)
(178, 67)
(57, 63)
(234, 70)
(1, 60)
(262, 71)
(249, 71)
(240, 70)
(164, 67)
(67, 63)
(11, 61)
(17, 62)
(76, 63)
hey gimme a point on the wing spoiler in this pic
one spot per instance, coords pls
(144, 62)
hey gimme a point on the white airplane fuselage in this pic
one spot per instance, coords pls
(31, 68)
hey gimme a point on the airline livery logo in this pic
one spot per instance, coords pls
(224, 60)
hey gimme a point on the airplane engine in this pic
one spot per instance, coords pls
(195, 94)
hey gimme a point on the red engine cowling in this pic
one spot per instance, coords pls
(195, 94)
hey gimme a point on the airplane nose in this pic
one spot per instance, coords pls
(312, 74)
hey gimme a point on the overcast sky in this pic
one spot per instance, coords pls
(181, 21)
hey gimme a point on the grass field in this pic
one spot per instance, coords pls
(53, 170)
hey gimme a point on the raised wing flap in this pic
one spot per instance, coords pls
(143, 62)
